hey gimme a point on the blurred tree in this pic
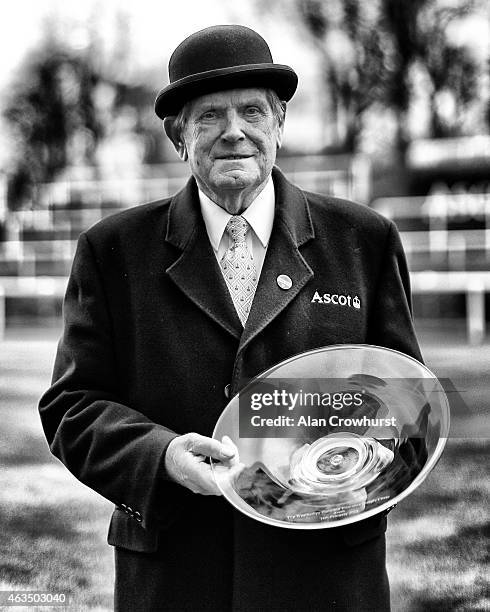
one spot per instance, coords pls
(64, 102)
(418, 30)
(368, 51)
(355, 60)
(49, 102)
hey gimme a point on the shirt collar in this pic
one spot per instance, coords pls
(259, 215)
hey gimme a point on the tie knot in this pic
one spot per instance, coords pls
(237, 228)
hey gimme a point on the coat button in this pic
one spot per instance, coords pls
(284, 281)
(227, 391)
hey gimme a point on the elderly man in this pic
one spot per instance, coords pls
(173, 306)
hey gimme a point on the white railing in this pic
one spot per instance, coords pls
(71, 206)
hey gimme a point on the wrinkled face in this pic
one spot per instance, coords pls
(231, 138)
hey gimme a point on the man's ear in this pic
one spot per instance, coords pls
(280, 126)
(175, 136)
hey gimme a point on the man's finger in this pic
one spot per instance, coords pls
(225, 475)
(227, 441)
(204, 482)
(211, 448)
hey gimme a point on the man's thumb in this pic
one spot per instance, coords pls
(213, 448)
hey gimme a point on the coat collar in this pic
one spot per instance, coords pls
(291, 206)
(197, 272)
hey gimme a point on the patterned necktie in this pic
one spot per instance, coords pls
(239, 268)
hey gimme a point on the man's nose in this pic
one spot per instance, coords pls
(232, 130)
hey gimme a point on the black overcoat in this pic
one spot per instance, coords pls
(152, 347)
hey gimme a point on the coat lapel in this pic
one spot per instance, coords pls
(292, 228)
(197, 274)
(196, 271)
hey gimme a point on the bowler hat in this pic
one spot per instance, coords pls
(221, 57)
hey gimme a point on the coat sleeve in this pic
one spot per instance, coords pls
(391, 323)
(106, 444)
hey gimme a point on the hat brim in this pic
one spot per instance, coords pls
(282, 79)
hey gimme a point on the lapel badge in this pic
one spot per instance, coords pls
(284, 281)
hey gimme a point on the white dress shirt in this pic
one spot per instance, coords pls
(259, 215)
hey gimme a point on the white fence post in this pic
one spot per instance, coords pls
(2, 313)
(475, 313)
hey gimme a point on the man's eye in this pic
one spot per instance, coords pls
(252, 111)
(208, 115)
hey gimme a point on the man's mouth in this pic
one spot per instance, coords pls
(232, 157)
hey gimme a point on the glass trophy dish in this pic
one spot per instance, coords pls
(332, 436)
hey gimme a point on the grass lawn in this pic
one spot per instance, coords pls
(438, 536)
(53, 528)
(53, 534)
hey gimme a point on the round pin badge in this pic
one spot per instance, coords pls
(284, 281)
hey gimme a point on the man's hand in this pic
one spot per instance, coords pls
(185, 461)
